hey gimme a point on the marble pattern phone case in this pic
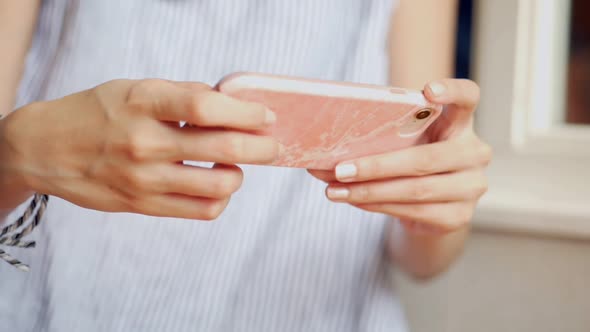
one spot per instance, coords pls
(322, 123)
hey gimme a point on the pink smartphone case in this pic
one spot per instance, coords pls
(318, 131)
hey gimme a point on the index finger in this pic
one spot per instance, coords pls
(462, 95)
(459, 92)
(201, 106)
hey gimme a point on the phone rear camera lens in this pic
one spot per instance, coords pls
(423, 114)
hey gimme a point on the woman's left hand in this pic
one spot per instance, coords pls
(433, 186)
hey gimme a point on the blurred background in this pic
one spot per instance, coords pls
(527, 265)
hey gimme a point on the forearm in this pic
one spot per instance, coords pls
(422, 49)
(17, 23)
(422, 42)
(13, 189)
(423, 254)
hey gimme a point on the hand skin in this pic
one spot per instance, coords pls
(118, 148)
(432, 188)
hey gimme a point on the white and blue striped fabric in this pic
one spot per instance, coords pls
(281, 257)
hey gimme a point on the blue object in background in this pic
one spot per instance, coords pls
(463, 47)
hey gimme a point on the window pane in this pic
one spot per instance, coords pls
(578, 85)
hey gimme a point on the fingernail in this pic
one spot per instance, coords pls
(436, 88)
(337, 193)
(345, 171)
(270, 117)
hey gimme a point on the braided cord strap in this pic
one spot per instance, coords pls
(15, 239)
(26, 215)
(13, 261)
(10, 240)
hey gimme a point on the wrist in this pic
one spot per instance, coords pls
(421, 253)
(419, 228)
(14, 186)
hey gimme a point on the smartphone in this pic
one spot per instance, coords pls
(322, 123)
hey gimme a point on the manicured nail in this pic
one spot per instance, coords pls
(270, 117)
(337, 193)
(345, 171)
(436, 88)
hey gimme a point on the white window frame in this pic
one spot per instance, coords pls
(540, 175)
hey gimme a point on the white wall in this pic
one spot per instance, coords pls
(506, 283)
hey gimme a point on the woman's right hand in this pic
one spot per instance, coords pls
(118, 147)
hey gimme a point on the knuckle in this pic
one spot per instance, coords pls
(481, 187)
(149, 84)
(425, 163)
(447, 223)
(197, 115)
(227, 185)
(136, 147)
(420, 212)
(200, 103)
(142, 88)
(232, 148)
(464, 217)
(468, 92)
(212, 210)
(456, 218)
(443, 226)
(361, 193)
(121, 88)
(237, 179)
(421, 192)
(372, 168)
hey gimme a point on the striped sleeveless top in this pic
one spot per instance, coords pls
(281, 257)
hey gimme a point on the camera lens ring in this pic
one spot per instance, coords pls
(423, 114)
